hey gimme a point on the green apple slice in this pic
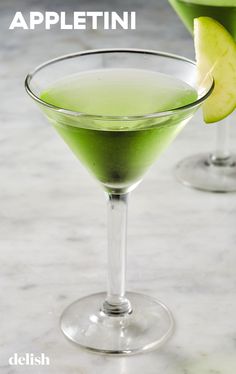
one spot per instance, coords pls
(216, 53)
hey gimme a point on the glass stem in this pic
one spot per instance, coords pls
(221, 155)
(116, 304)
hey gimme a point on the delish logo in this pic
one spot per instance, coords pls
(29, 359)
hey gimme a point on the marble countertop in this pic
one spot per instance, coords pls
(182, 242)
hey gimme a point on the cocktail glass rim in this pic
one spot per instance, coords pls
(173, 111)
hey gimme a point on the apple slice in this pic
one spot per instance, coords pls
(216, 53)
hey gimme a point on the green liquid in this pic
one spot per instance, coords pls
(116, 152)
(224, 11)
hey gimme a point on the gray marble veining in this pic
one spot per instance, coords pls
(182, 242)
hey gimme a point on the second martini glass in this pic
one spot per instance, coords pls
(215, 171)
(118, 110)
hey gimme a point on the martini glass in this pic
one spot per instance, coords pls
(215, 171)
(118, 110)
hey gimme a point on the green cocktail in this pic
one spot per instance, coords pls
(224, 11)
(216, 170)
(118, 110)
(118, 153)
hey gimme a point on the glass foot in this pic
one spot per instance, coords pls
(206, 173)
(148, 326)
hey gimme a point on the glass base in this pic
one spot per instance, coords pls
(206, 173)
(148, 326)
